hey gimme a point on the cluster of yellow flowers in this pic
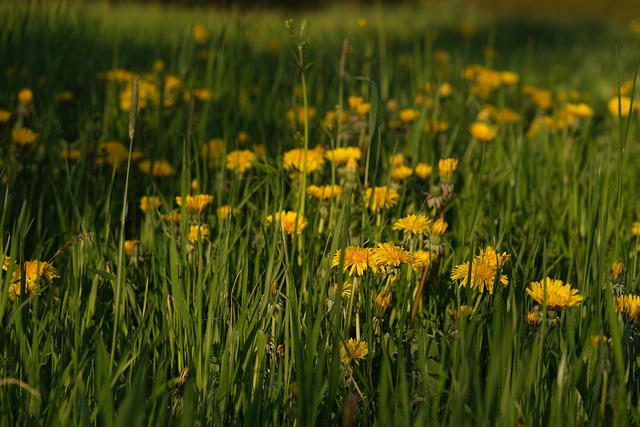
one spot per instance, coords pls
(28, 276)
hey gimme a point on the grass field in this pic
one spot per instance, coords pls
(409, 216)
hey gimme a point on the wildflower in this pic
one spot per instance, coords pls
(439, 227)
(625, 104)
(580, 111)
(198, 233)
(464, 312)
(131, 247)
(356, 259)
(401, 172)
(161, 168)
(25, 96)
(5, 263)
(617, 271)
(382, 301)
(445, 89)
(422, 259)
(70, 154)
(303, 160)
(291, 221)
(173, 217)
(353, 350)
(596, 340)
(326, 192)
(200, 34)
(629, 306)
(225, 212)
(482, 131)
(213, 151)
(413, 224)
(408, 115)
(23, 137)
(241, 160)
(555, 293)
(446, 169)
(197, 203)
(5, 115)
(149, 202)
(388, 254)
(381, 197)
(362, 22)
(635, 228)
(533, 318)
(364, 108)
(485, 270)
(34, 271)
(346, 290)
(396, 160)
(354, 101)
(423, 171)
(509, 78)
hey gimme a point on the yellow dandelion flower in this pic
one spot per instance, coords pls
(354, 101)
(198, 233)
(225, 212)
(509, 78)
(303, 160)
(555, 293)
(378, 198)
(580, 111)
(5, 115)
(356, 259)
(464, 312)
(396, 160)
(482, 131)
(113, 153)
(423, 171)
(635, 228)
(200, 34)
(422, 259)
(363, 108)
(23, 137)
(213, 150)
(346, 291)
(533, 318)
(34, 271)
(596, 340)
(401, 172)
(132, 247)
(362, 22)
(625, 104)
(326, 192)
(197, 203)
(241, 160)
(291, 221)
(172, 217)
(25, 96)
(408, 115)
(446, 168)
(413, 224)
(354, 350)
(486, 269)
(629, 306)
(388, 254)
(160, 168)
(439, 227)
(382, 301)
(149, 202)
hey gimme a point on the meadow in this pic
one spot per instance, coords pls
(419, 215)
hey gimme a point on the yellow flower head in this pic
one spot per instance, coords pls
(132, 247)
(198, 233)
(423, 171)
(325, 192)
(225, 212)
(408, 115)
(464, 312)
(439, 227)
(5, 115)
(354, 101)
(401, 172)
(629, 306)
(388, 254)
(25, 96)
(382, 301)
(342, 155)
(381, 197)
(303, 160)
(482, 131)
(483, 273)
(413, 224)
(555, 293)
(446, 168)
(533, 318)
(635, 228)
(213, 151)
(291, 221)
(149, 202)
(396, 160)
(241, 160)
(356, 259)
(422, 259)
(160, 168)
(197, 203)
(617, 270)
(353, 350)
(347, 289)
(34, 271)
(624, 103)
(23, 137)
(200, 34)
